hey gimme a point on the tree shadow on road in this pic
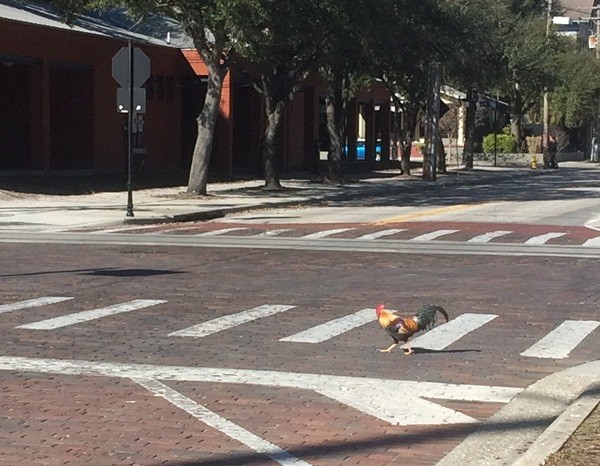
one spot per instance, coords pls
(347, 447)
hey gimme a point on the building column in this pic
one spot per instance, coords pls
(370, 132)
(352, 128)
(384, 129)
(225, 128)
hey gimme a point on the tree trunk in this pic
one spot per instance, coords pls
(516, 124)
(334, 104)
(441, 155)
(207, 120)
(432, 124)
(470, 129)
(406, 138)
(404, 123)
(274, 111)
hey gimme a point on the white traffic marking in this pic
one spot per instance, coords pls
(433, 235)
(325, 233)
(84, 316)
(270, 233)
(360, 391)
(223, 425)
(124, 228)
(421, 412)
(37, 302)
(542, 239)
(333, 328)
(443, 336)
(232, 320)
(487, 237)
(593, 224)
(562, 340)
(177, 229)
(379, 234)
(592, 242)
(221, 231)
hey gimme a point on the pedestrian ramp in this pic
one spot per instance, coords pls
(558, 343)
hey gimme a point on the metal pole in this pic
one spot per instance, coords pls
(496, 129)
(130, 136)
(597, 37)
(545, 110)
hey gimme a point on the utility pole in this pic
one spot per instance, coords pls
(545, 110)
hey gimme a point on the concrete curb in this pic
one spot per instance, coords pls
(534, 424)
(555, 436)
(187, 217)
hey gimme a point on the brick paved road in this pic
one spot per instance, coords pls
(51, 417)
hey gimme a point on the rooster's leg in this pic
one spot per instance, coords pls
(389, 350)
(408, 350)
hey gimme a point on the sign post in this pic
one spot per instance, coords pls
(131, 69)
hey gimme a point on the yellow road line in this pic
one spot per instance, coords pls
(425, 213)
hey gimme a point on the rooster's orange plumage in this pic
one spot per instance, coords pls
(402, 328)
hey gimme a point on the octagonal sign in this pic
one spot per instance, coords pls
(141, 67)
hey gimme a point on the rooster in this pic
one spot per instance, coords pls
(402, 328)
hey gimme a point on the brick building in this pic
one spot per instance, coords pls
(58, 104)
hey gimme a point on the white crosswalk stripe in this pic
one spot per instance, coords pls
(443, 336)
(229, 321)
(272, 232)
(433, 235)
(559, 343)
(222, 231)
(325, 233)
(487, 237)
(381, 233)
(85, 316)
(333, 328)
(32, 303)
(592, 242)
(135, 228)
(542, 239)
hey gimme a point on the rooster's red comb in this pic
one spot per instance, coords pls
(379, 308)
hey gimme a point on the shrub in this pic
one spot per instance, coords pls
(505, 144)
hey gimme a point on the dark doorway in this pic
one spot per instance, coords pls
(247, 131)
(71, 117)
(15, 115)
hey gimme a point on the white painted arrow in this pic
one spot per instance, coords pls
(383, 398)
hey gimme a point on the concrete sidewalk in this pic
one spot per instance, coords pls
(172, 204)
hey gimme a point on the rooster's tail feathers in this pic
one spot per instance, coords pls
(427, 315)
